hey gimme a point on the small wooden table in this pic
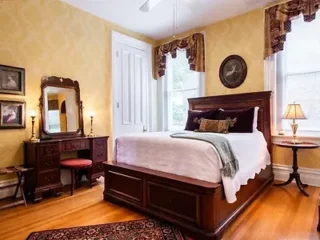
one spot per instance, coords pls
(295, 174)
(19, 171)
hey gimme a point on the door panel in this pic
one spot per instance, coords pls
(125, 59)
(130, 109)
(138, 83)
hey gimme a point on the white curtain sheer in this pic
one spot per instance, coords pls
(294, 75)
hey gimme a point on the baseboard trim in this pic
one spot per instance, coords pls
(7, 192)
(309, 176)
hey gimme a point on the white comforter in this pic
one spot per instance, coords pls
(194, 158)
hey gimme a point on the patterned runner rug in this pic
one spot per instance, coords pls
(133, 230)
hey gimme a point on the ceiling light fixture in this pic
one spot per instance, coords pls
(149, 5)
(175, 17)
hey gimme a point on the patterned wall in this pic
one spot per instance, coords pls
(49, 37)
(242, 35)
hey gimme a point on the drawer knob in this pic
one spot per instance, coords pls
(49, 179)
(49, 163)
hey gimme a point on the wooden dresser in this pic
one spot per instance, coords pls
(45, 156)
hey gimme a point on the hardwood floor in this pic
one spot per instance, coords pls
(279, 213)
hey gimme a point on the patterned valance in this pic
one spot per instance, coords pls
(278, 21)
(194, 46)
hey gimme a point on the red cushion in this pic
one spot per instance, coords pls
(76, 163)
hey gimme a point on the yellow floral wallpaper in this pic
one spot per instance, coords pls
(244, 36)
(49, 37)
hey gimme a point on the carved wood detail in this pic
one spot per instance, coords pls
(45, 156)
(61, 83)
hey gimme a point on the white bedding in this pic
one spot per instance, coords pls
(194, 158)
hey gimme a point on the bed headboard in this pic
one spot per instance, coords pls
(244, 100)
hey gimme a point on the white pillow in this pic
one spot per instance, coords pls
(255, 119)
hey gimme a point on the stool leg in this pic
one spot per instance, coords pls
(72, 181)
(90, 171)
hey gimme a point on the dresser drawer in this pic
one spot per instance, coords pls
(98, 167)
(49, 163)
(48, 178)
(48, 150)
(100, 143)
(100, 155)
(173, 201)
(75, 145)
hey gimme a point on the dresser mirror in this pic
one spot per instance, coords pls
(61, 108)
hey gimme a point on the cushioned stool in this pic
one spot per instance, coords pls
(76, 164)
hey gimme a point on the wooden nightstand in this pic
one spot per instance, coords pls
(295, 174)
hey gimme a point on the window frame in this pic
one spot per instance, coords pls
(276, 76)
(164, 99)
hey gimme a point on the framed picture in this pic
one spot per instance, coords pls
(12, 80)
(12, 114)
(233, 71)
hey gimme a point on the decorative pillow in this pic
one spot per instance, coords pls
(216, 126)
(194, 117)
(244, 118)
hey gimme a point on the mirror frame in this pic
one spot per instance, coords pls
(60, 83)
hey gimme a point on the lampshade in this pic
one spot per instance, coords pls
(91, 113)
(294, 111)
(33, 112)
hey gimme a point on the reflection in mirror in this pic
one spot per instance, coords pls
(61, 108)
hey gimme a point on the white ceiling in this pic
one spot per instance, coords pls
(158, 23)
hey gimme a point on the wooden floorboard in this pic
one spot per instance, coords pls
(279, 213)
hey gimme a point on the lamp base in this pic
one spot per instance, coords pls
(296, 141)
(294, 128)
(34, 140)
(91, 135)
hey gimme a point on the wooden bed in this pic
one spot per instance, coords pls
(199, 208)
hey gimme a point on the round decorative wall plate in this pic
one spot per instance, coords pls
(233, 71)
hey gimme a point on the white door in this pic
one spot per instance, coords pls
(130, 86)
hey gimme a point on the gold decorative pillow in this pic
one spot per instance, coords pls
(216, 126)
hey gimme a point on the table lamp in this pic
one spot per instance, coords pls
(294, 112)
(91, 114)
(33, 114)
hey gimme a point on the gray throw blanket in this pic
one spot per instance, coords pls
(229, 161)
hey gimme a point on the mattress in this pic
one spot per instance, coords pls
(193, 158)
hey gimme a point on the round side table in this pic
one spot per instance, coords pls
(295, 174)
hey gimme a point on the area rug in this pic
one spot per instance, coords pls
(133, 230)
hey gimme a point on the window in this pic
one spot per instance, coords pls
(299, 75)
(180, 84)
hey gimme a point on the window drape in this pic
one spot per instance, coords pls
(278, 22)
(195, 53)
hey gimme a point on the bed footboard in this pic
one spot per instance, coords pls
(199, 208)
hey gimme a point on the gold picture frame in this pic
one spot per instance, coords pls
(12, 114)
(12, 80)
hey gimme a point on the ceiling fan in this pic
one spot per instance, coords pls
(150, 4)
